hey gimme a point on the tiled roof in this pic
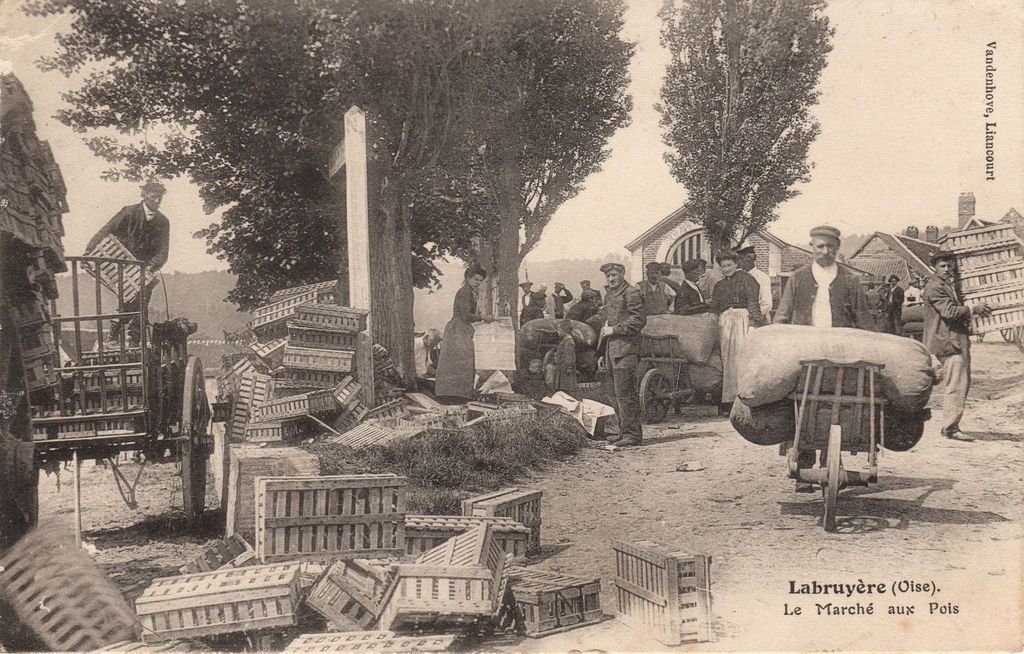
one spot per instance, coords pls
(881, 269)
(923, 250)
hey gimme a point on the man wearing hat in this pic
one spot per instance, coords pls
(896, 298)
(947, 329)
(748, 262)
(658, 297)
(145, 232)
(623, 316)
(822, 293)
(585, 286)
(526, 314)
(562, 297)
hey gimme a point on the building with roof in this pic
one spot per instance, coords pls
(903, 255)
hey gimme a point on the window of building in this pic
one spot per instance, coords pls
(689, 246)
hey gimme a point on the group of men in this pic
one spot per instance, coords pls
(820, 294)
(534, 303)
(885, 304)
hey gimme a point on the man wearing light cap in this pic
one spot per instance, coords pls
(947, 330)
(145, 232)
(748, 262)
(658, 297)
(821, 293)
(623, 316)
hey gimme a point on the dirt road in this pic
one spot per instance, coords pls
(948, 513)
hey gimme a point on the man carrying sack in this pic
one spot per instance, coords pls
(947, 335)
(623, 314)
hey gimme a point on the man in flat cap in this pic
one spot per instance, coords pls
(947, 329)
(585, 286)
(748, 262)
(822, 293)
(145, 232)
(623, 316)
(658, 297)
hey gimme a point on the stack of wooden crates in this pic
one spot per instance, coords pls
(990, 265)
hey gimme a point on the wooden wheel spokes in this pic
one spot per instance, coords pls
(655, 395)
(195, 421)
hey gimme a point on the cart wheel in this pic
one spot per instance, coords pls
(835, 441)
(654, 391)
(195, 421)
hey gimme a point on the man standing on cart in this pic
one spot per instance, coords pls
(623, 314)
(145, 232)
(822, 294)
(947, 335)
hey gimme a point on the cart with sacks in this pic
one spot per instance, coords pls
(103, 380)
(830, 392)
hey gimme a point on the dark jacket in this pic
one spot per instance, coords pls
(688, 299)
(147, 240)
(739, 291)
(562, 298)
(582, 311)
(947, 322)
(849, 306)
(624, 310)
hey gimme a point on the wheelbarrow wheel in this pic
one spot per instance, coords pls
(832, 470)
(654, 395)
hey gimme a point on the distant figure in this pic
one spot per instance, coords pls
(456, 366)
(585, 309)
(534, 308)
(426, 350)
(524, 301)
(748, 262)
(564, 377)
(689, 298)
(874, 300)
(562, 298)
(585, 286)
(145, 232)
(705, 279)
(896, 306)
(657, 295)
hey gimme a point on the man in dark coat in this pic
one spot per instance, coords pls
(689, 298)
(145, 232)
(623, 314)
(840, 304)
(896, 299)
(585, 286)
(585, 309)
(947, 330)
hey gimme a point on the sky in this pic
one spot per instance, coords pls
(901, 113)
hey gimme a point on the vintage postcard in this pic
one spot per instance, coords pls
(512, 325)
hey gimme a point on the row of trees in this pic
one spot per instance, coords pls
(484, 117)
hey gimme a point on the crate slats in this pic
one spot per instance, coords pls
(520, 504)
(980, 237)
(271, 353)
(662, 592)
(111, 247)
(305, 358)
(274, 432)
(217, 555)
(349, 594)
(369, 641)
(249, 462)
(327, 291)
(155, 648)
(252, 392)
(330, 517)
(332, 316)
(425, 532)
(219, 602)
(548, 602)
(295, 406)
(84, 611)
(304, 333)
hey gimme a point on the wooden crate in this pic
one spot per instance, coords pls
(370, 641)
(249, 462)
(275, 432)
(333, 316)
(999, 320)
(155, 648)
(252, 393)
(393, 409)
(83, 609)
(327, 379)
(271, 353)
(349, 594)
(346, 392)
(31, 312)
(664, 593)
(549, 602)
(981, 238)
(217, 555)
(220, 602)
(372, 434)
(1009, 275)
(131, 355)
(37, 341)
(305, 358)
(88, 426)
(520, 504)
(460, 582)
(425, 532)
(111, 247)
(315, 335)
(277, 313)
(295, 406)
(1007, 303)
(39, 373)
(280, 388)
(326, 291)
(323, 518)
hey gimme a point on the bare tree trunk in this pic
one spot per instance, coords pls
(391, 270)
(510, 206)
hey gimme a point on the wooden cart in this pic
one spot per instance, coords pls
(117, 396)
(661, 376)
(838, 410)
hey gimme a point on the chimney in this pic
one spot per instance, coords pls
(931, 234)
(911, 232)
(966, 209)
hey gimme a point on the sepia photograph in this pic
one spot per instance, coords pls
(511, 325)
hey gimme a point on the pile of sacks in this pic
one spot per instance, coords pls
(769, 372)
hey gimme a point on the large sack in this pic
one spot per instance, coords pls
(707, 378)
(769, 424)
(697, 334)
(774, 423)
(541, 332)
(769, 368)
(913, 314)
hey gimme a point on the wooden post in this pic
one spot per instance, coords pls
(350, 154)
(77, 472)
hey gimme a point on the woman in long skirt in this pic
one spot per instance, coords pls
(456, 366)
(736, 301)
